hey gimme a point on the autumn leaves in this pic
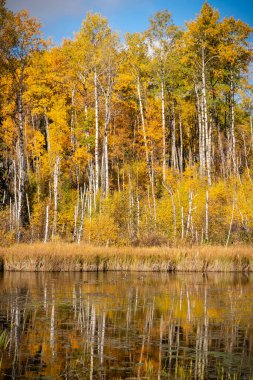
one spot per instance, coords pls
(98, 129)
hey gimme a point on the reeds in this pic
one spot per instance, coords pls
(73, 257)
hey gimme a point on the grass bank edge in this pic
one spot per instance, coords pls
(79, 257)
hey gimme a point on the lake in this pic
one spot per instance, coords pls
(121, 325)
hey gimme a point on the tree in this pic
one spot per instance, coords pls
(162, 34)
(24, 34)
(201, 46)
(235, 55)
(91, 41)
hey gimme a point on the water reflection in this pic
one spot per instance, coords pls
(127, 326)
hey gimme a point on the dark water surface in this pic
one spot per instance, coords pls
(127, 326)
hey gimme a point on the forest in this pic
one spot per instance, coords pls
(143, 141)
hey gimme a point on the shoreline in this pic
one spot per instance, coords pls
(66, 257)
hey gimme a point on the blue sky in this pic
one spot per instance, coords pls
(61, 18)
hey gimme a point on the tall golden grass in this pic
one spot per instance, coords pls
(73, 257)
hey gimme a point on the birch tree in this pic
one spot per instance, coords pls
(92, 39)
(235, 55)
(26, 39)
(201, 46)
(109, 69)
(137, 60)
(162, 34)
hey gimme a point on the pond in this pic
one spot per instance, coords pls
(120, 325)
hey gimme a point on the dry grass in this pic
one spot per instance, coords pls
(73, 257)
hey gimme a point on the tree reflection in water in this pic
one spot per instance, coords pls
(114, 325)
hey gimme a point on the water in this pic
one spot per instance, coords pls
(126, 326)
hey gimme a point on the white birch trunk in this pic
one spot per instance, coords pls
(22, 212)
(232, 121)
(143, 126)
(205, 121)
(47, 224)
(72, 120)
(153, 185)
(173, 142)
(131, 221)
(181, 144)
(189, 213)
(207, 215)
(163, 129)
(107, 121)
(96, 132)
(83, 207)
(182, 223)
(76, 213)
(15, 208)
(201, 137)
(56, 175)
(231, 221)
(10, 217)
(170, 191)
(138, 214)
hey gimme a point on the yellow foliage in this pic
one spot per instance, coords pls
(36, 144)
(101, 230)
(8, 132)
(81, 157)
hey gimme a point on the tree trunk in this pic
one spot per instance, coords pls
(96, 131)
(173, 142)
(231, 221)
(21, 161)
(131, 210)
(189, 213)
(76, 213)
(47, 224)
(143, 126)
(205, 121)
(163, 129)
(223, 168)
(47, 133)
(182, 223)
(22, 216)
(181, 145)
(107, 121)
(153, 185)
(170, 191)
(84, 198)
(72, 120)
(207, 214)
(232, 121)
(202, 163)
(56, 175)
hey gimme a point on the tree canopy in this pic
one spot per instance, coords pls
(146, 141)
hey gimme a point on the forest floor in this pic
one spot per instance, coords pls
(73, 257)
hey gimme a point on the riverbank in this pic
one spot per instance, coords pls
(63, 257)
